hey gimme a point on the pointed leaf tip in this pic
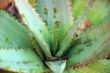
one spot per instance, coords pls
(57, 66)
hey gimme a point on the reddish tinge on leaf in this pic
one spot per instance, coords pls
(5, 3)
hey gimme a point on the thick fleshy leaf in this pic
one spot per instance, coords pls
(66, 42)
(54, 12)
(57, 66)
(98, 11)
(21, 60)
(34, 24)
(92, 44)
(16, 51)
(12, 33)
(101, 66)
(58, 16)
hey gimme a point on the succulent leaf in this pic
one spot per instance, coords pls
(65, 43)
(91, 44)
(16, 51)
(58, 16)
(100, 66)
(55, 11)
(57, 66)
(12, 33)
(97, 12)
(56, 43)
(35, 24)
(22, 60)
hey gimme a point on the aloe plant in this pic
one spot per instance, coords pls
(54, 37)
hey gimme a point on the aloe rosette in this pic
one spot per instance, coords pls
(56, 36)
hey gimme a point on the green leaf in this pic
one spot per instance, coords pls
(58, 16)
(16, 51)
(21, 60)
(12, 33)
(57, 66)
(66, 42)
(100, 66)
(34, 23)
(90, 45)
(98, 11)
(55, 11)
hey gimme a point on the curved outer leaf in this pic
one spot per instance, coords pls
(97, 12)
(35, 24)
(66, 42)
(92, 44)
(58, 15)
(12, 33)
(100, 66)
(22, 60)
(16, 53)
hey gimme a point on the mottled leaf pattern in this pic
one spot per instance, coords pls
(100, 66)
(12, 33)
(35, 24)
(66, 42)
(16, 51)
(90, 44)
(99, 10)
(21, 60)
(58, 16)
(56, 36)
(56, 13)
